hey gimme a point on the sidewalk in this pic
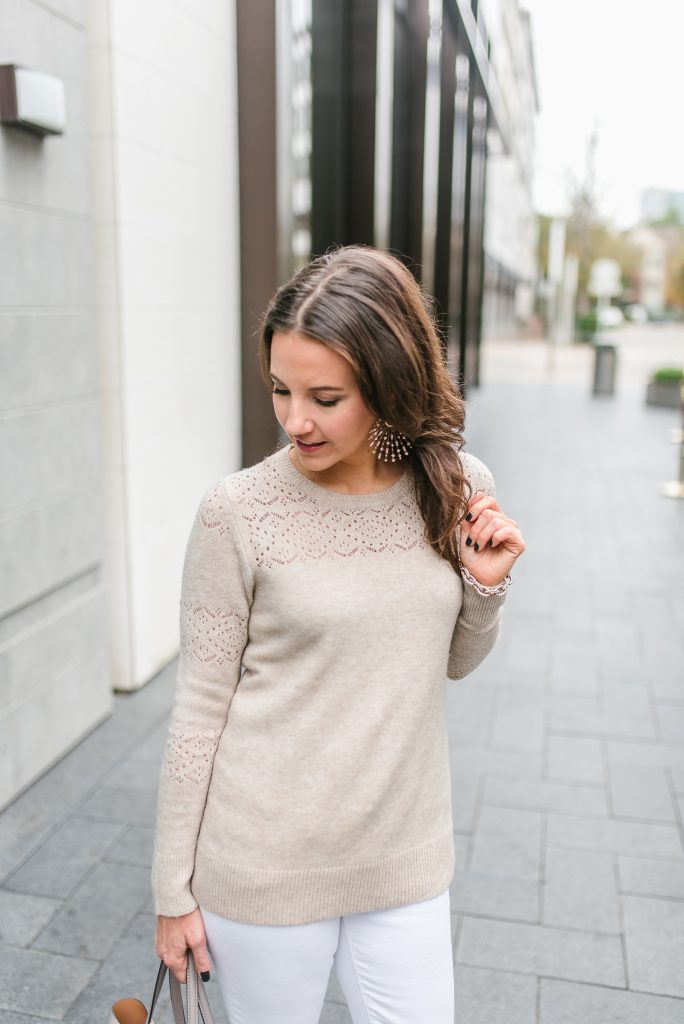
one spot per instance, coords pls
(567, 746)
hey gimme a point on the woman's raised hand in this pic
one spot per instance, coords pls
(175, 935)
(490, 541)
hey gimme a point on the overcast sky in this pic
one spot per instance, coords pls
(617, 64)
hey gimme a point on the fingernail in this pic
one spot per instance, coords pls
(469, 517)
(477, 546)
(205, 975)
(469, 541)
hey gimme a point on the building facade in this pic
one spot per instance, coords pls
(55, 675)
(511, 225)
(120, 355)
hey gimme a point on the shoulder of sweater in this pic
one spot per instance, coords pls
(478, 475)
(253, 482)
(248, 488)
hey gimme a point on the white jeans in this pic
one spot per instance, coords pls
(394, 966)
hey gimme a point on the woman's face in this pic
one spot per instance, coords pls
(316, 399)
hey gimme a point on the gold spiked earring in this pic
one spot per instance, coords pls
(388, 443)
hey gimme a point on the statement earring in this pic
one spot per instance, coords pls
(386, 442)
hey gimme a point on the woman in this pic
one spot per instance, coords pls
(304, 815)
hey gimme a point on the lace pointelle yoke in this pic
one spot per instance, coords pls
(289, 518)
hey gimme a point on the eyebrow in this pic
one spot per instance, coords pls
(318, 387)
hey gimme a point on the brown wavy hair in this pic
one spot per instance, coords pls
(365, 304)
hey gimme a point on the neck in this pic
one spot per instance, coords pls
(362, 475)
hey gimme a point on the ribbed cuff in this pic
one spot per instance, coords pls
(171, 876)
(480, 612)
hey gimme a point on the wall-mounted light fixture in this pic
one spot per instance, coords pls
(31, 100)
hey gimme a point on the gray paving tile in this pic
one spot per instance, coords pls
(580, 891)
(671, 720)
(529, 652)
(22, 831)
(654, 934)
(485, 760)
(652, 877)
(12, 1017)
(93, 920)
(465, 788)
(573, 669)
(334, 992)
(507, 844)
(491, 896)
(461, 849)
(678, 780)
(497, 677)
(135, 847)
(641, 792)
(22, 917)
(545, 796)
(334, 1013)
(614, 836)
(533, 949)
(586, 715)
(126, 804)
(653, 754)
(129, 971)
(62, 861)
(152, 749)
(575, 759)
(518, 725)
(565, 1003)
(619, 650)
(135, 774)
(41, 983)
(468, 713)
(665, 671)
(493, 997)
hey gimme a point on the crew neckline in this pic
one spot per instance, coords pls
(388, 496)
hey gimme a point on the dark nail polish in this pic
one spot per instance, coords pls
(477, 547)
(469, 517)
(205, 975)
(469, 541)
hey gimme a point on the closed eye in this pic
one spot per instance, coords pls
(321, 401)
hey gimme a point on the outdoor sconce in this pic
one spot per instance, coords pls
(31, 100)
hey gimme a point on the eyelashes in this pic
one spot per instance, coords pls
(328, 403)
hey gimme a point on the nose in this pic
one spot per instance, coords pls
(296, 422)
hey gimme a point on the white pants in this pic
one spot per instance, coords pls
(394, 966)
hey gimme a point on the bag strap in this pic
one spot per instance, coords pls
(161, 974)
(198, 1002)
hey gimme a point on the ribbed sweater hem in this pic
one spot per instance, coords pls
(256, 895)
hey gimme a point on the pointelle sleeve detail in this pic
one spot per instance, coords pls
(216, 594)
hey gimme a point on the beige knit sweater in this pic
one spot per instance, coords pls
(306, 772)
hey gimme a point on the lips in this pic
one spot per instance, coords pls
(309, 447)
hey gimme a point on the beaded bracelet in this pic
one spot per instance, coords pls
(494, 591)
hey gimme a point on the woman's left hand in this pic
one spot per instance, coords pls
(490, 541)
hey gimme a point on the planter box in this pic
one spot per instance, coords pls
(664, 393)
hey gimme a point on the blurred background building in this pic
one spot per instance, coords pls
(511, 221)
(208, 151)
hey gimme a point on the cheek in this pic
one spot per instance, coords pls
(354, 420)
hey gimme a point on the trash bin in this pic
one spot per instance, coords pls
(605, 366)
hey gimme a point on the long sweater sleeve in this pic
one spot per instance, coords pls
(479, 621)
(215, 601)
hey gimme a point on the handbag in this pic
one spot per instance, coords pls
(132, 1011)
